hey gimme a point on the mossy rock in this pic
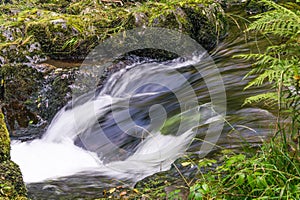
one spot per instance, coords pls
(20, 107)
(11, 181)
(4, 140)
(73, 28)
(250, 6)
(41, 93)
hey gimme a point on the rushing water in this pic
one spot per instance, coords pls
(128, 139)
(75, 158)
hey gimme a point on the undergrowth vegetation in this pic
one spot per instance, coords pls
(273, 172)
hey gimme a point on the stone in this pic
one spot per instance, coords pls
(11, 181)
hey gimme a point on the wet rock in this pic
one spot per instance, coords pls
(21, 86)
(56, 91)
(204, 22)
(41, 91)
(250, 6)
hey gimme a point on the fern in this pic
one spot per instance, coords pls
(280, 21)
(279, 64)
(269, 74)
(270, 98)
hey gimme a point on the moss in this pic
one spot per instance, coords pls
(71, 29)
(11, 182)
(20, 107)
(4, 140)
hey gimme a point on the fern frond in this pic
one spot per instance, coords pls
(269, 98)
(280, 47)
(280, 21)
(264, 60)
(269, 75)
(280, 62)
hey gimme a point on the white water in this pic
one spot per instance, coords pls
(40, 159)
(56, 155)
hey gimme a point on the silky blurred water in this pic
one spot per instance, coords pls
(69, 161)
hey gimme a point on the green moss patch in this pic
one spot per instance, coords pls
(4, 140)
(71, 29)
(11, 181)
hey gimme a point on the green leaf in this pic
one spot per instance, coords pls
(250, 180)
(241, 179)
(206, 162)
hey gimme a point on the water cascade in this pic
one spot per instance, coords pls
(124, 131)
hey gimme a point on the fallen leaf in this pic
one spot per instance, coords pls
(123, 193)
(136, 191)
(112, 190)
(184, 164)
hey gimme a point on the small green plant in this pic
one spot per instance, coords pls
(174, 194)
(279, 65)
(261, 176)
(274, 171)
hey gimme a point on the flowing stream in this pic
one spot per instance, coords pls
(130, 130)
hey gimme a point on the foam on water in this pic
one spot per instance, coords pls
(40, 160)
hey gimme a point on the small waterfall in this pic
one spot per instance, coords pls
(143, 119)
